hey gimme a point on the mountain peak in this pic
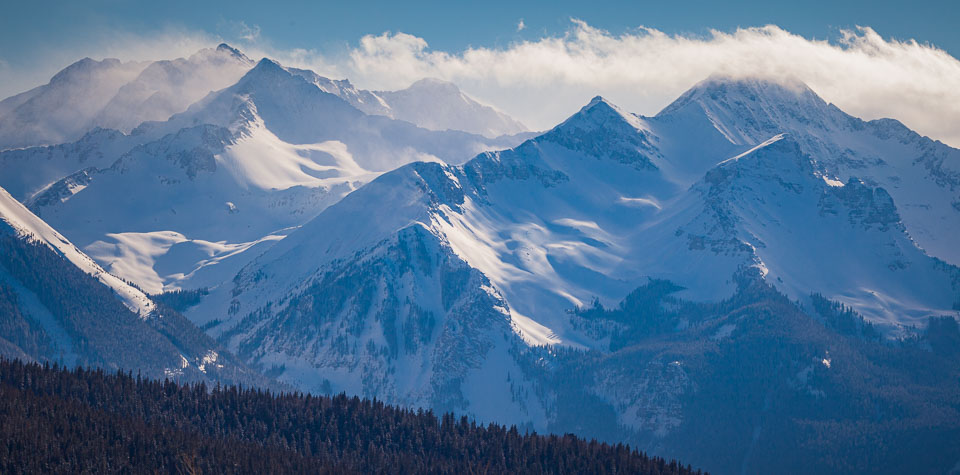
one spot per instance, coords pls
(726, 89)
(267, 64)
(84, 66)
(599, 103)
(750, 110)
(603, 130)
(224, 48)
(265, 69)
(227, 48)
(601, 113)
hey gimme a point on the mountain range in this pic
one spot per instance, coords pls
(238, 168)
(751, 280)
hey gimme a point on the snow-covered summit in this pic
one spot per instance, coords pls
(440, 105)
(601, 113)
(728, 116)
(602, 130)
(748, 111)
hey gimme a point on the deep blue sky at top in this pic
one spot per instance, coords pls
(32, 28)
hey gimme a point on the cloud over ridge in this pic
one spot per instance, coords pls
(540, 81)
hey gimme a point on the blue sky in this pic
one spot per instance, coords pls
(539, 73)
(28, 28)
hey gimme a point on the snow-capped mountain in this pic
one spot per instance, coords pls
(738, 264)
(235, 172)
(115, 95)
(111, 94)
(166, 87)
(58, 305)
(722, 202)
(433, 104)
(440, 105)
(922, 175)
(60, 111)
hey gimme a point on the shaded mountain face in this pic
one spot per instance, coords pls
(613, 238)
(213, 186)
(57, 305)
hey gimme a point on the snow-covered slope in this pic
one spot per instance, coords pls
(58, 305)
(233, 173)
(922, 175)
(808, 233)
(31, 171)
(511, 244)
(19, 220)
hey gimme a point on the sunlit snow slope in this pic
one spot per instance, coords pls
(211, 187)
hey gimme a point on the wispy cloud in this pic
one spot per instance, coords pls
(521, 25)
(239, 30)
(543, 80)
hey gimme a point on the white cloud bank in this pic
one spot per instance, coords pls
(542, 81)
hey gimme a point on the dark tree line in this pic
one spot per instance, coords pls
(87, 420)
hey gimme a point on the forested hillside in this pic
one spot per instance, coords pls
(54, 420)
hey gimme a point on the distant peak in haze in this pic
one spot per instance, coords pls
(720, 89)
(751, 110)
(600, 102)
(83, 66)
(435, 85)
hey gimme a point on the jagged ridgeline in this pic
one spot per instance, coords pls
(55, 420)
